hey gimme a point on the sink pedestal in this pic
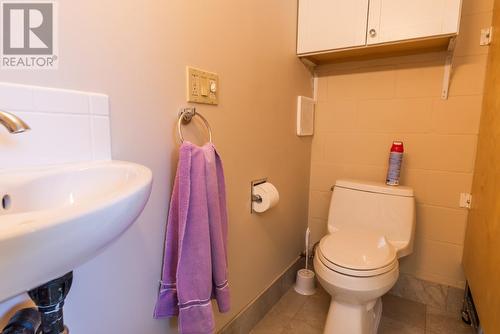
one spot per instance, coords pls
(48, 319)
(49, 298)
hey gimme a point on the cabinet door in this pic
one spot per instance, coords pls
(331, 24)
(397, 20)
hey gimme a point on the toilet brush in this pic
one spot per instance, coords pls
(305, 277)
(308, 233)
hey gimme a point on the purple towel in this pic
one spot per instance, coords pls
(195, 263)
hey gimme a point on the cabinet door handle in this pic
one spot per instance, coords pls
(373, 33)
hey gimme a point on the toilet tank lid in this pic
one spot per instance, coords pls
(375, 187)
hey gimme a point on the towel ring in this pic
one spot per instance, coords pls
(185, 116)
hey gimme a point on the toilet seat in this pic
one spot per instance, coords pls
(357, 253)
(354, 272)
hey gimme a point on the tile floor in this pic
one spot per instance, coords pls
(297, 314)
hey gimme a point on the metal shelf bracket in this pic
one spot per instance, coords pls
(448, 68)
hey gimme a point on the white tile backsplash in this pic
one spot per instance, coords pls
(18, 97)
(61, 101)
(67, 126)
(99, 104)
(101, 134)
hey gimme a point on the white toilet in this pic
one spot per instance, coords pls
(370, 226)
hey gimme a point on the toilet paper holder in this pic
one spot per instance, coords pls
(253, 197)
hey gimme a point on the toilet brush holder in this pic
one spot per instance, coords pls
(305, 284)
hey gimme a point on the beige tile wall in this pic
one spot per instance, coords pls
(364, 106)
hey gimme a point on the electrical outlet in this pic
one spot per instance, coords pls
(465, 200)
(486, 36)
(202, 86)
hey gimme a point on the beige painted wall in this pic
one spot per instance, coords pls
(136, 51)
(482, 243)
(364, 106)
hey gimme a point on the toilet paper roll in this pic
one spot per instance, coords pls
(270, 197)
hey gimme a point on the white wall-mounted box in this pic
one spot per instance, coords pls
(305, 116)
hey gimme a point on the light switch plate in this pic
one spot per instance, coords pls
(202, 86)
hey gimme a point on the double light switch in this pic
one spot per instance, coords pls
(203, 87)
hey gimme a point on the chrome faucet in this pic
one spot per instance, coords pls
(13, 123)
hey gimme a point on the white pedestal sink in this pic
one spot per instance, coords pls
(53, 219)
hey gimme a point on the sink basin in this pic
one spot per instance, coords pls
(53, 219)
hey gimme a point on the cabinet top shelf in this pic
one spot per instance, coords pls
(401, 48)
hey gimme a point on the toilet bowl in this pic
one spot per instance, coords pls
(370, 226)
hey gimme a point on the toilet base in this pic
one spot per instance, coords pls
(353, 319)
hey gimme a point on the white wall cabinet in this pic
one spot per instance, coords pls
(331, 25)
(398, 20)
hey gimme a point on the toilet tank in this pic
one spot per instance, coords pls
(364, 205)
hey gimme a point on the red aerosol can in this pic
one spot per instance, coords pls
(395, 162)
